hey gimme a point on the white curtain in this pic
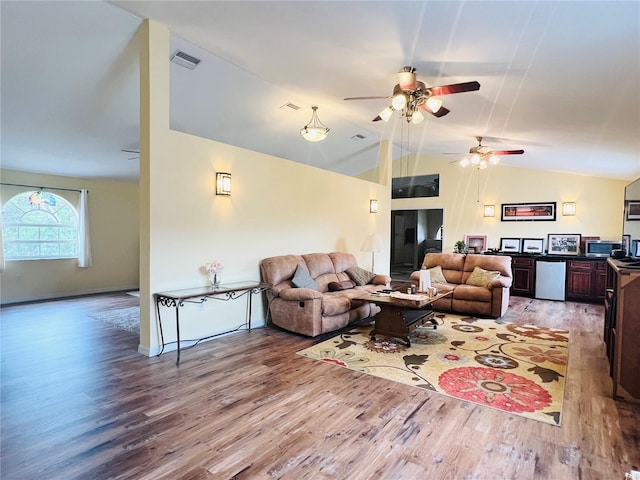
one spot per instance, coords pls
(84, 240)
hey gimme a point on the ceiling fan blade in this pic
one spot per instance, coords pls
(442, 111)
(454, 88)
(364, 98)
(508, 152)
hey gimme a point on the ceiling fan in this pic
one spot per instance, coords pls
(480, 156)
(410, 96)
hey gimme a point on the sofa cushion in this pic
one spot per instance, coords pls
(341, 261)
(497, 263)
(360, 275)
(344, 285)
(436, 274)
(302, 279)
(452, 265)
(481, 277)
(472, 293)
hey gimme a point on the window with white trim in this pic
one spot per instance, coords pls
(39, 225)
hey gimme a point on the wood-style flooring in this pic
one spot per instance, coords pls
(79, 402)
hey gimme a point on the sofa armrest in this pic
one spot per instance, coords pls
(299, 294)
(500, 282)
(381, 279)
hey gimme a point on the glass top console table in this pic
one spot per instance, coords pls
(225, 291)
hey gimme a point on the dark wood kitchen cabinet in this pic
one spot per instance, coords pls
(586, 280)
(523, 270)
(622, 329)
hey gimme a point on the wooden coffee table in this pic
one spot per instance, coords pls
(401, 313)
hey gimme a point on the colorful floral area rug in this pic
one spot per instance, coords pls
(520, 369)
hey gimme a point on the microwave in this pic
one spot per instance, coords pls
(601, 248)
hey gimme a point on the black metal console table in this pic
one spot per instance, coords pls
(225, 291)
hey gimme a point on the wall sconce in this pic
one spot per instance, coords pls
(373, 206)
(569, 208)
(489, 211)
(223, 183)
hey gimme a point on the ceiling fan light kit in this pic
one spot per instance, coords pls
(315, 130)
(417, 117)
(410, 96)
(385, 114)
(481, 156)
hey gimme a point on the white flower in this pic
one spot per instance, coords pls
(214, 267)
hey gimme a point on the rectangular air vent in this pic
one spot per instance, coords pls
(357, 137)
(185, 60)
(290, 105)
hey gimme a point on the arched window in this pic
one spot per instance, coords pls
(39, 225)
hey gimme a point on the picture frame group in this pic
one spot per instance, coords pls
(532, 246)
(557, 244)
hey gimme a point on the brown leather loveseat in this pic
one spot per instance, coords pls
(484, 292)
(312, 294)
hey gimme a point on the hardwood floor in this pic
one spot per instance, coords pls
(79, 402)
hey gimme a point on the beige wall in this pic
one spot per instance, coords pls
(276, 207)
(464, 192)
(113, 210)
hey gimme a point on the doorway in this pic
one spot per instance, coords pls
(413, 234)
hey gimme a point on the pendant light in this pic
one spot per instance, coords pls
(315, 130)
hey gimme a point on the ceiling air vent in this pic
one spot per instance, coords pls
(290, 105)
(185, 60)
(357, 137)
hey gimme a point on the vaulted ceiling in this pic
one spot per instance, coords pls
(560, 80)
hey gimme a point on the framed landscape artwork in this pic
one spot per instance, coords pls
(563, 243)
(476, 243)
(515, 212)
(532, 245)
(510, 245)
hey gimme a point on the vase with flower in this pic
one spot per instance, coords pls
(214, 270)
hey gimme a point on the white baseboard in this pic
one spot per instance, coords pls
(63, 295)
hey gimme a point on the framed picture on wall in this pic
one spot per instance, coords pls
(563, 243)
(515, 212)
(510, 245)
(418, 186)
(476, 243)
(532, 245)
(632, 209)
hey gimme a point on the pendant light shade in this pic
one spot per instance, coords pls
(315, 130)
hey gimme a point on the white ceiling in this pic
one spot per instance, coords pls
(559, 79)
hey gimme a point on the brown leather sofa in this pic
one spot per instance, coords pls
(491, 300)
(311, 311)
